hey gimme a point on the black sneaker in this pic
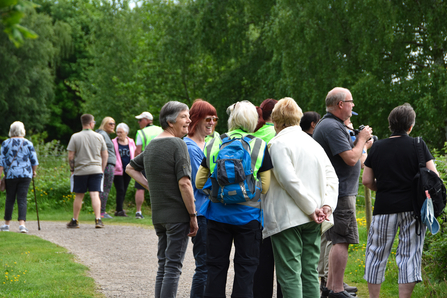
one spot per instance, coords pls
(73, 224)
(121, 213)
(98, 223)
(324, 292)
(342, 294)
(349, 288)
(139, 216)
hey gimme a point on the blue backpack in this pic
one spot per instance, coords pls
(232, 179)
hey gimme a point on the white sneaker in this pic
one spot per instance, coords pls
(4, 228)
(23, 229)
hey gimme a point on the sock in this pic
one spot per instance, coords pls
(138, 212)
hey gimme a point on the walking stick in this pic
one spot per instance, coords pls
(37, 210)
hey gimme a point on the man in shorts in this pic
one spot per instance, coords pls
(87, 156)
(147, 132)
(332, 134)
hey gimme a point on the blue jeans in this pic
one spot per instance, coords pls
(172, 243)
(199, 251)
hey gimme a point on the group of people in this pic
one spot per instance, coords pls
(97, 162)
(306, 168)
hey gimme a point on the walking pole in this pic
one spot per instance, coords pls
(37, 210)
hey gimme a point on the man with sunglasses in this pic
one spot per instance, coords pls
(334, 137)
(147, 132)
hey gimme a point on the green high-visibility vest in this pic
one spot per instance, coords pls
(257, 146)
(147, 134)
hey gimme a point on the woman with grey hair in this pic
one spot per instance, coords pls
(389, 170)
(107, 127)
(125, 150)
(168, 171)
(240, 222)
(18, 160)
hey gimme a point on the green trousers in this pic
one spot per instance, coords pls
(296, 252)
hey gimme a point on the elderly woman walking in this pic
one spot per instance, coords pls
(107, 127)
(240, 223)
(298, 207)
(125, 150)
(168, 171)
(18, 160)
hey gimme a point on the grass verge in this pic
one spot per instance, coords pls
(32, 267)
(356, 266)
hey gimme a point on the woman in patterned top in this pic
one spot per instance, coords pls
(18, 160)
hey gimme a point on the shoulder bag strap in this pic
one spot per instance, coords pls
(420, 154)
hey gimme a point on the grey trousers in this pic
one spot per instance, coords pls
(172, 244)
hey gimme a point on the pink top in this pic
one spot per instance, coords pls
(119, 164)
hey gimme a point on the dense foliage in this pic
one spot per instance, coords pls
(116, 58)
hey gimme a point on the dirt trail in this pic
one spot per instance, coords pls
(122, 259)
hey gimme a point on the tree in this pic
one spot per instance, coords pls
(26, 81)
(11, 14)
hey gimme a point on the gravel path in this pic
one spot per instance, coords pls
(122, 259)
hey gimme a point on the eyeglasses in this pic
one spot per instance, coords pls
(351, 101)
(94, 122)
(111, 123)
(208, 119)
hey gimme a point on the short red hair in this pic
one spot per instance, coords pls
(199, 110)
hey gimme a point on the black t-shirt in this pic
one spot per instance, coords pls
(394, 163)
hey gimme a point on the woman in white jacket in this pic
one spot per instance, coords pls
(298, 206)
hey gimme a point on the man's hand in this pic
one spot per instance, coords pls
(365, 134)
(193, 227)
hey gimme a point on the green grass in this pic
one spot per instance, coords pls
(88, 217)
(355, 270)
(32, 267)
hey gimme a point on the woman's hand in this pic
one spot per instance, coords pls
(318, 216)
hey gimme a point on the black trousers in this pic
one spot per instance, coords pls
(247, 241)
(17, 187)
(121, 184)
(264, 277)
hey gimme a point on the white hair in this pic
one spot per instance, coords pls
(124, 126)
(244, 116)
(17, 129)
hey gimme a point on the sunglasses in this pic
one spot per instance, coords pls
(208, 119)
(111, 123)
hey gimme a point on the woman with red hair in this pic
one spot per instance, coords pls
(203, 119)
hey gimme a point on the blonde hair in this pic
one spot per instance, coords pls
(244, 116)
(286, 113)
(17, 129)
(105, 121)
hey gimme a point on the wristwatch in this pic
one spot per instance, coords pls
(193, 215)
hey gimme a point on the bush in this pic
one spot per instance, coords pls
(52, 183)
(435, 246)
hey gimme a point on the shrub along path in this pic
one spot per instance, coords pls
(122, 259)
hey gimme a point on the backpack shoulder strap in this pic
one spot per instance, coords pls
(418, 146)
(256, 149)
